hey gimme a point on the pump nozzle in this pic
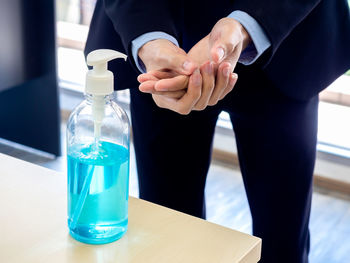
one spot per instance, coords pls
(99, 80)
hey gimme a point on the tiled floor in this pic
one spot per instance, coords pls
(227, 205)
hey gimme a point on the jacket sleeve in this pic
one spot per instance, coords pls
(132, 18)
(277, 17)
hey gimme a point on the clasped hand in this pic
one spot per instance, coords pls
(184, 82)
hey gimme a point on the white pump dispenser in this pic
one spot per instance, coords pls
(99, 82)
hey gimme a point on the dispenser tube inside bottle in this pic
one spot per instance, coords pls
(98, 113)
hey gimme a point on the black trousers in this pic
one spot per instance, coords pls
(276, 141)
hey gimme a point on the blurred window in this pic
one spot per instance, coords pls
(75, 11)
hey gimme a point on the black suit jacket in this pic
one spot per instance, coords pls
(310, 39)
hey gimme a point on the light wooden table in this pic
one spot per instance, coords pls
(33, 227)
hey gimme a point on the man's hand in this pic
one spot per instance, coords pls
(223, 46)
(163, 55)
(157, 82)
(218, 79)
(167, 62)
(179, 103)
(164, 61)
(217, 54)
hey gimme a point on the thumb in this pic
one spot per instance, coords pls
(221, 50)
(222, 44)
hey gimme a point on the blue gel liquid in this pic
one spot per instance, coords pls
(98, 214)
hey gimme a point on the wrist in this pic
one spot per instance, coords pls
(143, 49)
(246, 38)
(149, 53)
(151, 47)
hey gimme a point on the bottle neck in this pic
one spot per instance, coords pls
(106, 98)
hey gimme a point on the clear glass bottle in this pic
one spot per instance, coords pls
(98, 166)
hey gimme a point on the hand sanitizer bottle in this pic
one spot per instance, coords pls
(98, 158)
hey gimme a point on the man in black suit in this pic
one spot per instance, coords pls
(287, 51)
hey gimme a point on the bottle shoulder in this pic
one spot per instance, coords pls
(76, 111)
(112, 112)
(119, 111)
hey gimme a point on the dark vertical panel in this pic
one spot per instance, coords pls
(11, 44)
(29, 107)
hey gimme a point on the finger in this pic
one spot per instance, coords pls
(172, 84)
(233, 58)
(171, 94)
(146, 77)
(163, 74)
(164, 102)
(222, 79)
(148, 86)
(185, 104)
(208, 84)
(156, 75)
(231, 83)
